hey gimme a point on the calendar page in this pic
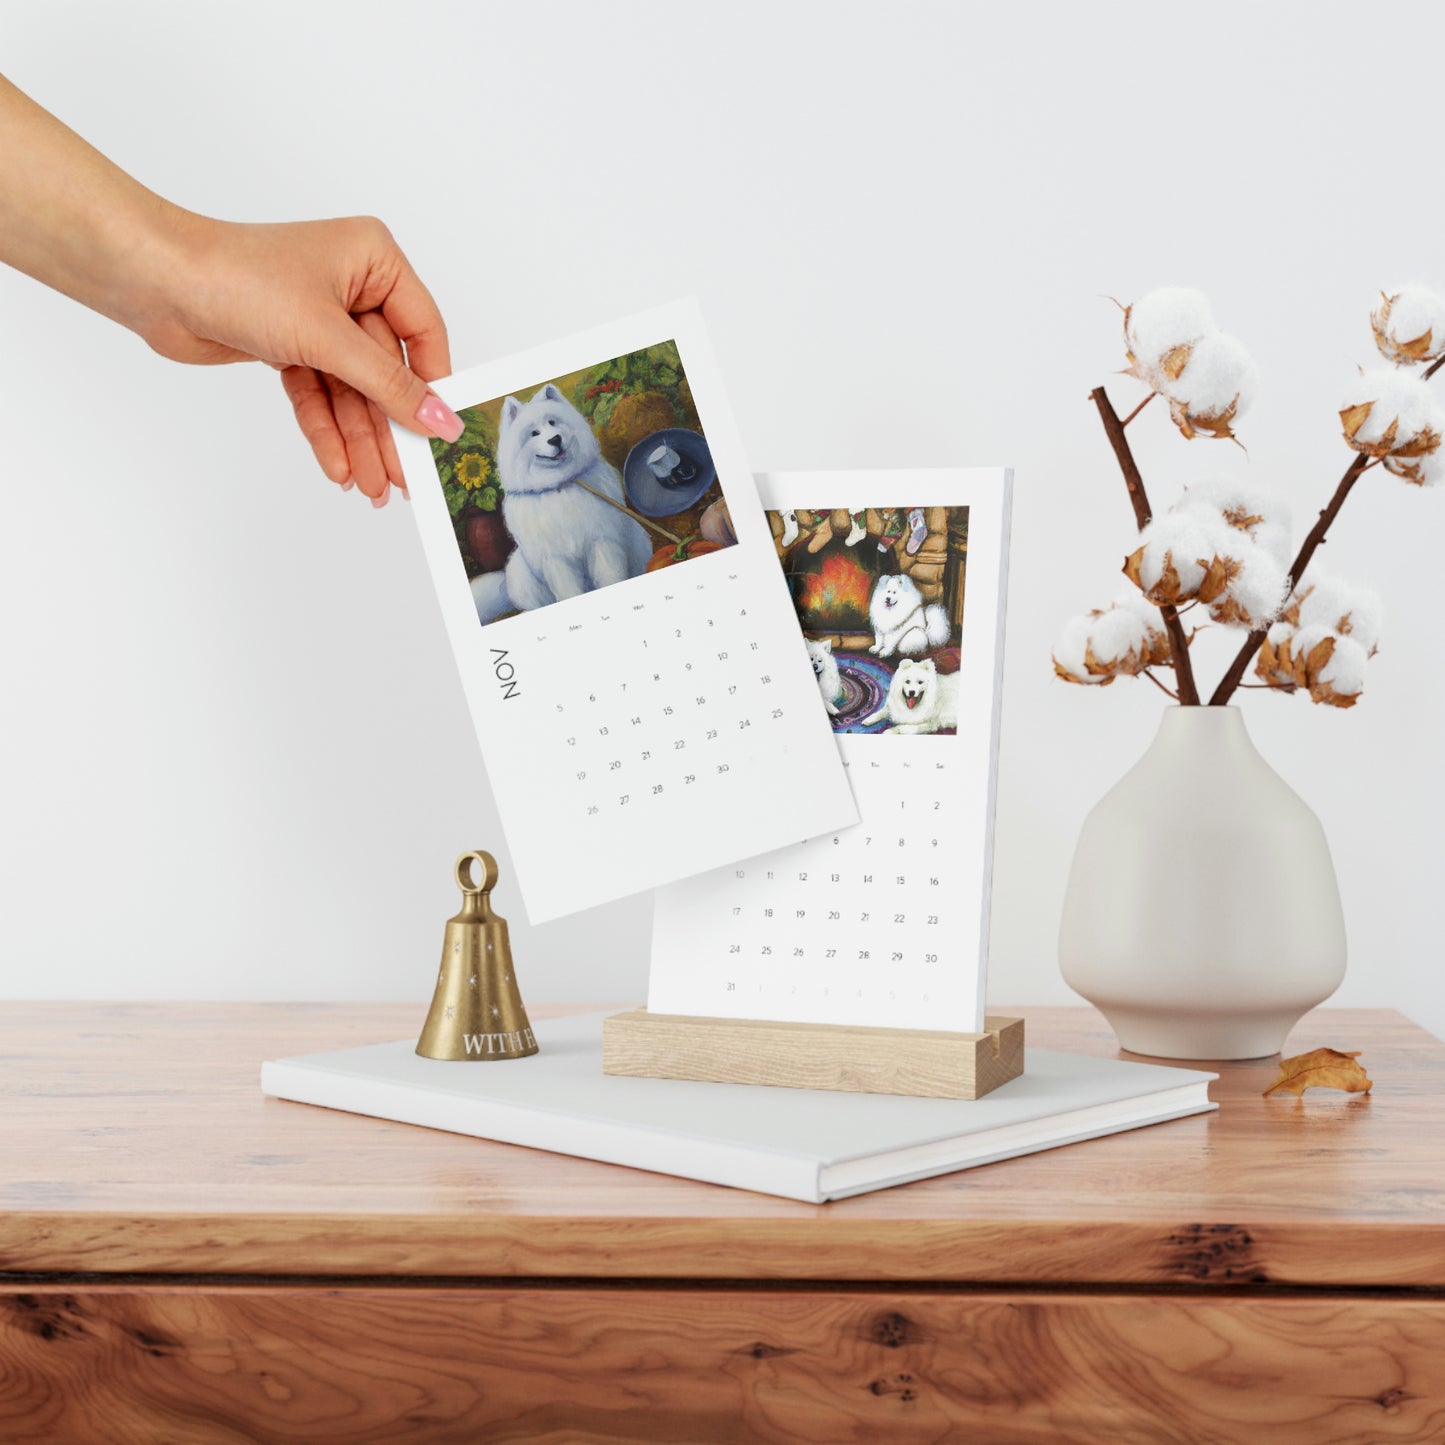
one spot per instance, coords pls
(625, 640)
(898, 580)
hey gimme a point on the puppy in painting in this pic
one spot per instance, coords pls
(825, 669)
(568, 541)
(902, 621)
(920, 699)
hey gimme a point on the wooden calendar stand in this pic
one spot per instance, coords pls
(923, 1063)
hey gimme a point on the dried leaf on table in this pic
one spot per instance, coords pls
(1321, 1069)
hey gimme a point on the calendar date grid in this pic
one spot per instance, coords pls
(689, 705)
(830, 919)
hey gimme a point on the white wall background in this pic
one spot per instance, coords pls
(234, 759)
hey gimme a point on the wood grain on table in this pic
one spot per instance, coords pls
(134, 1136)
(240, 1365)
(183, 1261)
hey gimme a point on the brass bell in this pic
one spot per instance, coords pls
(477, 1012)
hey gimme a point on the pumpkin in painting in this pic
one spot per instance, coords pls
(680, 552)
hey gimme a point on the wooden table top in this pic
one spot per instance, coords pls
(134, 1138)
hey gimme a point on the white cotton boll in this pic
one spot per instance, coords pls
(1388, 411)
(1160, 322)
(1275, 663)
(1252, 508)
(1118, 635)
(1220, 377)
(1174, 553)
(1247, 499)
(1332, 667)
(1256, 584)
(1424, 468)
(1071, 650)
(1274, 537)
(1396, 396)
(1344, 674)
(1306, 638)
(1142, 608)
(1409, 324)
(1153, 647)
(1351, 611)
(1117, 641)
(1303, 644)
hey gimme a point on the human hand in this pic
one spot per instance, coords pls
(336, 308)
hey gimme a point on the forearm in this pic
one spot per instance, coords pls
(78, 223)
(333, 305)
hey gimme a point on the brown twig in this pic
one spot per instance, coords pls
(1252, 643)
(1167, 691)
(1139, 499)
(1178, 646)
(1139, 408)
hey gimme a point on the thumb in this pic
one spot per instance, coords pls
(348, 353)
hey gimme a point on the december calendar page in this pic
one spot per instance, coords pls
(898, 583)
(625, 640)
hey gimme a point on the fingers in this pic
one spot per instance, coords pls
(344, 350)
(314, 415)
(350, 438)
(349, 433)
(389, 458)
(358, 432)
(357, 378)
(413, 317)
(376, 326)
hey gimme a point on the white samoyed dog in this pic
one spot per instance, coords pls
(920, 699)
(568, 541)
(901, 621)
(825, 669)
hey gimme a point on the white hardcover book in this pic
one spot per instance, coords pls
(806, 1144)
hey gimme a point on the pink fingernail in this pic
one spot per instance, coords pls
(347, 485)
(440, 419)
(402, 489)
(381, 500)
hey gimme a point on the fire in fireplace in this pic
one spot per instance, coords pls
(831, 587)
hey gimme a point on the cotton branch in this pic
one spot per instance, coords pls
(1167, 691)
(1139, 408)
(1139, 499)
(1252, 644)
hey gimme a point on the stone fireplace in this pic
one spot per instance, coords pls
(832, 582)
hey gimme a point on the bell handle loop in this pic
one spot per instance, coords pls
(487, 866)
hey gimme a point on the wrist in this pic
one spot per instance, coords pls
(155, 264)
(76, 222)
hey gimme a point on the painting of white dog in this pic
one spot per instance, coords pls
(920, 699)
(568, 540)
(825, 669)
(901, 621)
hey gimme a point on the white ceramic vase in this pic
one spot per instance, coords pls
(1202, 916)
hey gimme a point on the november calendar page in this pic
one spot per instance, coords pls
(898, 582)
(625, 639)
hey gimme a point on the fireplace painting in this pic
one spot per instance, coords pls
(835, 562)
